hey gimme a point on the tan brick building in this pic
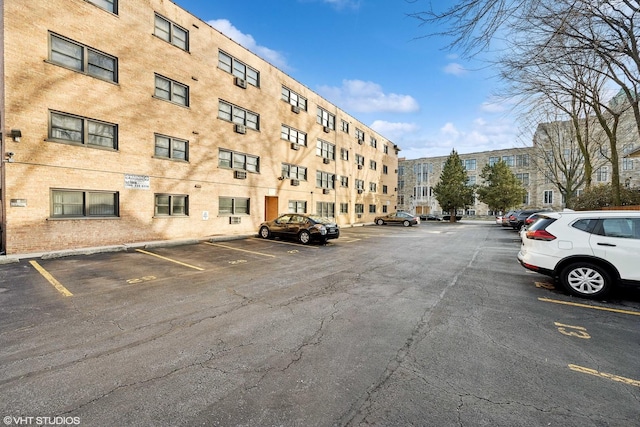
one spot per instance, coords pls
(134, 121)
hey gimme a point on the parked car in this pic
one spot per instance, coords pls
(499, 220)
(304, 228)
(448, 217)
(589, 252)
(517, 219)
(430, 217)
(505, 218)
(403, 218)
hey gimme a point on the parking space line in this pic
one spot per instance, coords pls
(170, 260)
(238, 249)
(60, 288)
(594, 307)
(613, 377)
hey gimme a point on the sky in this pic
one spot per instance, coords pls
(374, 61)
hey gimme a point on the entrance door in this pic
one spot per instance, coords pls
(270, 208)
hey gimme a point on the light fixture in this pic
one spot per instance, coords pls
(16, 134)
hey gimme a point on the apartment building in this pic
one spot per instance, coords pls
(134, 121)
(416, 179)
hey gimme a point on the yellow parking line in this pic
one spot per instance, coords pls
(64, 291)
(575, 304)
(612, 377)
(237, 249)
(170, 260)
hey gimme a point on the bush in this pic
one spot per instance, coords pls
(600, 196)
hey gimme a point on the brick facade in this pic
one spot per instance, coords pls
(36, 86)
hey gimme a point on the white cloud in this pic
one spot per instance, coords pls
(342, 4)
(394, 130)
(455, 69)
(367, 97)
(247, 40)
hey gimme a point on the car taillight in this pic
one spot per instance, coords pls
(512, 218)
(529, 220)
(540, 235)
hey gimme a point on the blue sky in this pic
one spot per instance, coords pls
(372, 60)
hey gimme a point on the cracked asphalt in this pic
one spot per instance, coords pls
(433, 325)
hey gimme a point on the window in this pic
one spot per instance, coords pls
(385, 169)
(326, 119)
(293, 135)
(359, 184)
(233, 206)
(238, 68)
(471, 180)
(359, 208)
(372, 209)
(422, 171)
(234, 160)
(326, 150)
(385, 189)
(74, 129)
(359, 135)
(82, 58)
(325, 209)
(602, 174)
(359, 160)
(420, 192)
(294, 172)
(373, 165)
(344, 181)
(172, 91)
(401, 184)
(400, 171)
(325, 180)
(80, 203)
(344, 154)
(524, 178)
(469, 164)
(548, 197)
(238, 115)
(493, 160)
(522, 160)
(509, 160)
(344, 208)
(627, 164)
(626, 228)
(345, 126)
(384, 208)
(294, 99)
(171, 205)
(373, 187)
(108, 5)
(373, 142)
(171, 32)
(297, 206)
(385, 149)
(171, 148)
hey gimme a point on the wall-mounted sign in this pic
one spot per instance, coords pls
(137, 182)
(205, 215)
(18, 203)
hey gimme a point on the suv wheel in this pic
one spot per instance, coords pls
(586, 280)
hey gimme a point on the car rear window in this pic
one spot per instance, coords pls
(542, 223)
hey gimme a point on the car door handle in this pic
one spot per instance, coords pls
(606, 244)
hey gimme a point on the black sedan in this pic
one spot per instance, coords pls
(403, 218)
(301, 227)
(430, 217)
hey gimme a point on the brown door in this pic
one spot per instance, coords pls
(270, 208)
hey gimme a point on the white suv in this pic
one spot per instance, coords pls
(588, 251)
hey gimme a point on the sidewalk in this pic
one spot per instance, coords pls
(7, 259)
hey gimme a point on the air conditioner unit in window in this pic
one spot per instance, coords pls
(359, 215)
(360, 141)
(359, 166)
(326, 129)
(240, 174)
(295, 146)
(360, 191)
(240, 82)
(240, 129)
(325, 191)
(295, 109)
(295, 182)
(234, 220)
(326, 161)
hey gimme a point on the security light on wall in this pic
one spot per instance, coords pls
(16, 134)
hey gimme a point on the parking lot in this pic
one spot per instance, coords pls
(435, 324)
